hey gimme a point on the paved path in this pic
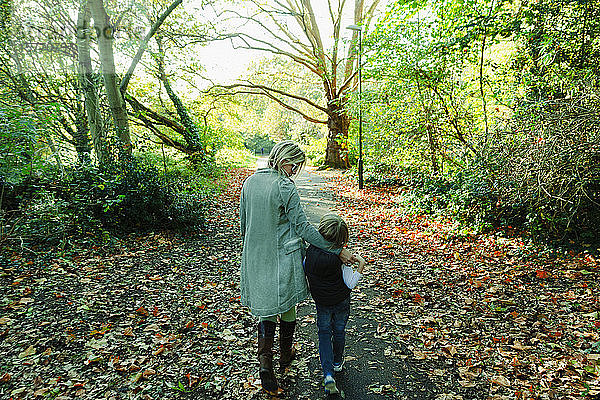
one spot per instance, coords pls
(369, 374)
(314, 196)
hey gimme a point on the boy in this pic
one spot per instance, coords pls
(330, 283)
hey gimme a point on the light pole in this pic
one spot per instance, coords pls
(358, 29)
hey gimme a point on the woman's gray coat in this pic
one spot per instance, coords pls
(274, 228)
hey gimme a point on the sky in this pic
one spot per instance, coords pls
(225, 64)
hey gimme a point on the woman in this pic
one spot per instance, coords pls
(274, 228)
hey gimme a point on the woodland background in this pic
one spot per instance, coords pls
(479, 115)
(485, 111)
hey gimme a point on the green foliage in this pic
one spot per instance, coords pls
(315, 150)
(559, 47)
(424, 106)
(132, 197)
(46, 218)
(258, 142)
(125, 197)
(465, 196)
(485, 111)
(217, 138)
(19, 135)
(230, 158)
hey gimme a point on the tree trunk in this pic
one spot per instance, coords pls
(308, 50)
(86, 82)
(105, 32)
(338, 122)
(82, 138)
(432, 150)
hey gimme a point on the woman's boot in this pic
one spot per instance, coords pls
(286, 343)
(266, 336)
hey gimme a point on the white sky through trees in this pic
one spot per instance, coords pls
(225, 64)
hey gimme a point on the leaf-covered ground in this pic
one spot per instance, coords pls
(483, 317)
(488, 315)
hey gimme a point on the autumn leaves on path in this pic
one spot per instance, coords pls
(485, 316)
(159, 317)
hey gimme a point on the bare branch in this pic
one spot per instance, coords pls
(336, 21)
(291, 108)
(273, 49)
(347, 83)
(273, 90)
(256, 90)
(291, 41)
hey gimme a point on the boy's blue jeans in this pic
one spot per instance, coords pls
(331, 321)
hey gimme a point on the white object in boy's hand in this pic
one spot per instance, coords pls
(351, 277)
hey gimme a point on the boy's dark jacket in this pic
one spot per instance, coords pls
(325, 280)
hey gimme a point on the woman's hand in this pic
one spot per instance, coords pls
(361, 264)
(347, 257)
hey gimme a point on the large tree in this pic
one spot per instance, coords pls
(292, 28)
(105, 31)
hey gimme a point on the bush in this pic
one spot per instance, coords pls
(315, 150)
(132, 197)
(237, 158)
(47, 219)
(540, 174)
(129, 197)
(546, 167)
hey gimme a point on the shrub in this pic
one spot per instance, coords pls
(132, 197)
(46, 218)
(546, 167)
(125, 197)
(237, 158)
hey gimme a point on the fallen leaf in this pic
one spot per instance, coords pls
(449, 351)
(41, 392)
(147, 373)
(541, 274)
(152, 327)
(469, 373)
(518, 346)
(93, 358)
(142, 311)
(27, 352)
(500, 380)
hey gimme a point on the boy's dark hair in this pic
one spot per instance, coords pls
(334, 229)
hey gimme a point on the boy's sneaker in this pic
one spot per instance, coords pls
(338, 367)
(330, 387)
